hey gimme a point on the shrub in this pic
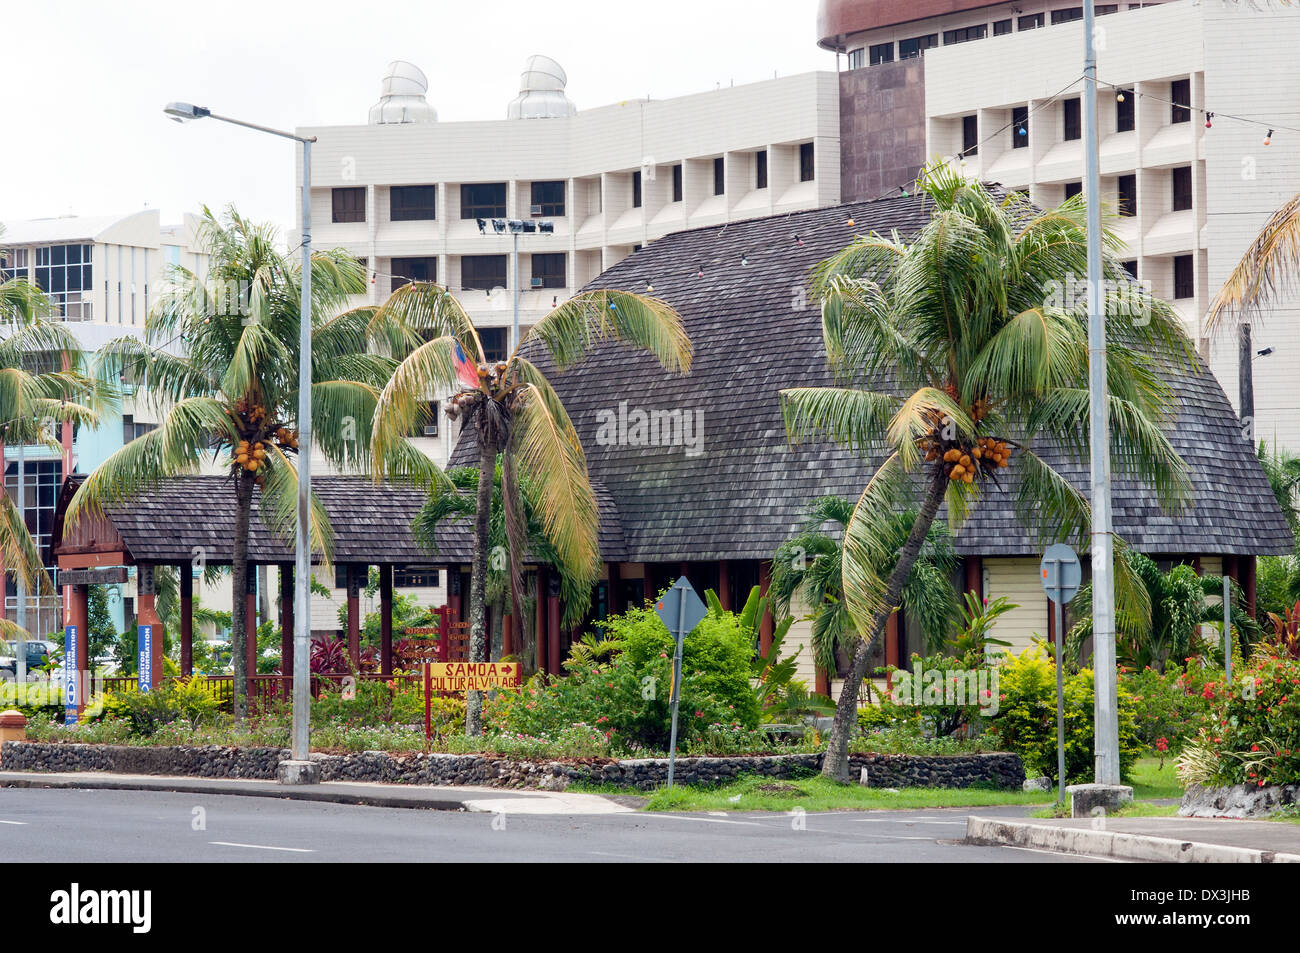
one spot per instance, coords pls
(1170, 707)
(626, 697)
(190, 700)
(1026, 718)
(379, 703)
(1254, 732)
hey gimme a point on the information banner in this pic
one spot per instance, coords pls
(146, 658)
(71, 690)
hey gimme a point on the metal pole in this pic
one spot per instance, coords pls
(20, 646)
(677, 684)
(1060, 699)
(1227, 624)
(514, 334)
(302, 552)
(1103, 544)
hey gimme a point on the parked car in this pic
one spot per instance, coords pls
(38, 654)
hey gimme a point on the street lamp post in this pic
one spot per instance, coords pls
(299, 769)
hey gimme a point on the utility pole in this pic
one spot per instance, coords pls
(1106, 748)
(20, 661)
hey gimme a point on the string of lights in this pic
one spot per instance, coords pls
(1210, 115)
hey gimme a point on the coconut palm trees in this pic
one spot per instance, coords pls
(231, 393)
(41, 384)
(956, 354)
(513, 411)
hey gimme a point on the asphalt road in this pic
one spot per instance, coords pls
(137, 826)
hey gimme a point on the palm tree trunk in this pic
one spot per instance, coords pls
(835, 765)
(239, 569)
(487, 464)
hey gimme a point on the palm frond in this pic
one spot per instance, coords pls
(589, 318)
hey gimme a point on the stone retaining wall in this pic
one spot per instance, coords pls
(883, 771)
(1242, 800)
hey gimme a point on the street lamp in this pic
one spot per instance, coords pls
(299, 769)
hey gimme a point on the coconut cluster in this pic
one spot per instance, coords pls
(964, 461)
(252, 453)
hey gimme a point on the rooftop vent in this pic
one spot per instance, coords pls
(541, 91)
(402, 97)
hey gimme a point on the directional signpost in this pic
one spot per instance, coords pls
(681, 609)
(71, 689)
(146, 658)
(1061, 575)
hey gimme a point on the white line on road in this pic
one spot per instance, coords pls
(15, 823)
(706, 820)
(295, 850)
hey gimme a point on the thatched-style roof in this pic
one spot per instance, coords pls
(754, 333)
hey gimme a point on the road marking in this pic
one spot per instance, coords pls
(15, 823)
(706, 820)
(295, 850)
(1064, 853)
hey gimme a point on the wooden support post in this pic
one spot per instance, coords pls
(975, 575)
(615, 586)
(354, 616)
(286, 619)
(724, 585)
(251, 654)
(1248, 566)
(543, 660)
(186, 573)
(892, 646)
(508, 635)
(553, 623)
(146, 613)
(386, 620)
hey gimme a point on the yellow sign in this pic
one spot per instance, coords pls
(472, 676)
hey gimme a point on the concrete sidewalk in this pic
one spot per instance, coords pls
(1154, 839)
(480, 799)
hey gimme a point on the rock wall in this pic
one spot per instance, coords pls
(1242, 800)
(883, 771)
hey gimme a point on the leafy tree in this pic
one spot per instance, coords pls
(101, 632)
(807, 567)
(513, 412)
(232, 395)
(952, 352)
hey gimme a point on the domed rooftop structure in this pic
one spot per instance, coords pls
(402, 97)
(541, 91)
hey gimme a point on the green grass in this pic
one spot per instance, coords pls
(819, 794)
(1151, 781)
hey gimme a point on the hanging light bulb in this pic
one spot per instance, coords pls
(649, 288)
(1209, 123)
(798, 241)
(744, 260)
(1268, 139)
(850, 223)
(1119, 97)
(700, 273)
(904, 191)
(372, 277)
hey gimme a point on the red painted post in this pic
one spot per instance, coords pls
(724, 585)
(615, 585)
(250, 630)
(508, 635)
(543, 659)
(186, 572)
(354, 617)
(444, 633)
(765, 626)
(553, 626)
(147, 614)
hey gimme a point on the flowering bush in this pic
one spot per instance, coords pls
(626, 697)
(1253, 735)
(1026, 718)
(1170, 706)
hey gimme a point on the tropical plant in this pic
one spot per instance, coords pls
(1286, 631)
(232, 394)
(781, 697)
(512, 410)
(1179, 608)
(807, 567)
(972, 640)
(955, 353)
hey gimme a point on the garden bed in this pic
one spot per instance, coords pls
(996, 770)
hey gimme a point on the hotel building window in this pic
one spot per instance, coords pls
(549, 269)
(917, 45)
(1180, 95)
(857, 58)
(1128, 195)
(482, 272)
(548, 199)
(1124, 111)
(483, 201)
(880, 53)
(760, 169)
(807, 163)
(349, 205)
(965, 34)
(719, 176)
(413, 203)
(1184, 277)
(407, 270)
(64, 273)
(1020, 127)
(1182, 188)
(1073, 113)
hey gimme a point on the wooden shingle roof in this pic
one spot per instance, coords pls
(755, 332)
(371, 524)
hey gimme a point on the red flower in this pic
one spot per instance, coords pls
(1162, 744)
(699, 714)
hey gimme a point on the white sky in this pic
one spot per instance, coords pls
(113, 66)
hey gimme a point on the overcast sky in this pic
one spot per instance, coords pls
(85, 82)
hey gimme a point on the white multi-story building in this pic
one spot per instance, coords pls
(417, 198)
(1001, 84)
(102, 274)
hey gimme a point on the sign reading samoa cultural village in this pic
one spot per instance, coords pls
(472, 676)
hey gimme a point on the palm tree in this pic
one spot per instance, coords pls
(951, 354)
(807, 566)
(514, 411)
(231, 396)
(41, 384)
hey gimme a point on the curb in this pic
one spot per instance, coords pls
(306, 792)
(1114, 844)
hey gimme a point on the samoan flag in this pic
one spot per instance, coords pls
(465, 369)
